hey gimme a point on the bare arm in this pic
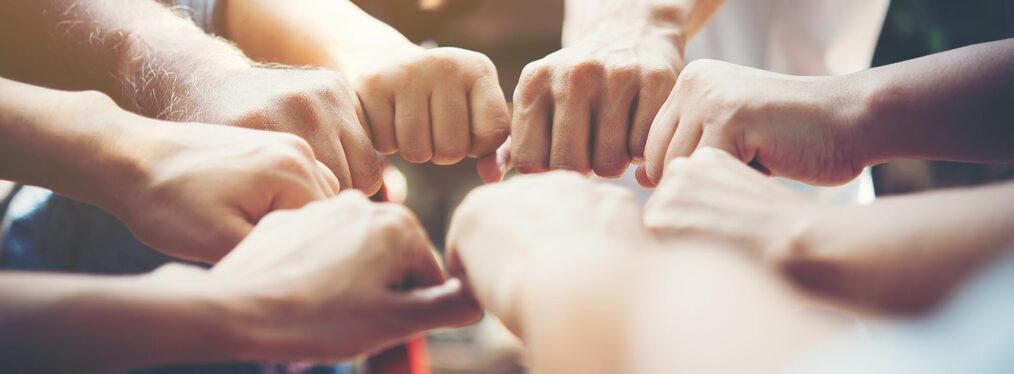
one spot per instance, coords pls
(439, 105)
(913, 250)
(103, 324)
(954, 105)
(610, 297)
(584, 18)
(324, 298)
(898, 254)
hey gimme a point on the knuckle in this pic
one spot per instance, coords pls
(535, 79)
(658, 77)
(580, 76)
(623, 75)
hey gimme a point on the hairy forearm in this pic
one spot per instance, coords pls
(911, 251)
(954, 105)
(329, 33)
(676, 20)
(138, 52)
(63, 323)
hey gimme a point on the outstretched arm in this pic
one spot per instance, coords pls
(337, 293)
(610, 297)
(438, 105)
(898, 254)
(953, 105)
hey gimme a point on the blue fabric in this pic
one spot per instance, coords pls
(48, 232)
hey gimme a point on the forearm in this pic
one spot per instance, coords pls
(682, 309)
(116, 46)
(676, 20)
(329, 33)
(63, 323)
(72, 143)
(903, 253)
(954, 105)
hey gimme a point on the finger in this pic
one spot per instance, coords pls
(379, 113)
(571, 134)
(653, 93)
(444, 305)
(327, 179)
(295, 194)
(489, 117)
(231, 229)
(641, 175)
(411, 125)
(327, 147)
(530, 131)
(451, 134)
(663, 128)
(687, 136)
(610, 156)
(364, 164)
(493, 167)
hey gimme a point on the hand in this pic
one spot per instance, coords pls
(201, 188)
(316, 105)
(796, 127)
(588, 107)
(435, 105)
(714, 195)
(504, 251)
(358, 277)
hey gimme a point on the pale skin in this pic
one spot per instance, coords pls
(339, 290)
(638, 302)
(439, 105)
(824, 130)
(160, 65)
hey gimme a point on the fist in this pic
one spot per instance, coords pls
(359, 276)
(437, 105)
(204, 187)
(801, 128)
(589, 107)
(317, 105)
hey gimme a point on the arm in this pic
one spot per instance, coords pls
(271, 299)
(160, 65)
(438, 105)
(898, 254)
(610, 298)
(588, 107)
(191, 191)
(915, 249)
(823, 130)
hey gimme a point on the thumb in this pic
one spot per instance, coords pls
(445, 305)
(493, 167)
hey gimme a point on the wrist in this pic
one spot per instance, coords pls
(214, 324)
(353, 63)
